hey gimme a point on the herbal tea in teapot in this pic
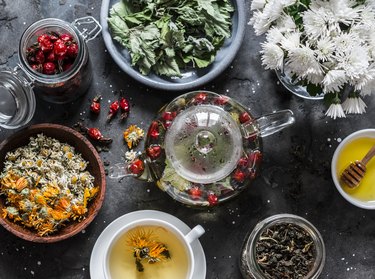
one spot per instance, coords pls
(204, 148)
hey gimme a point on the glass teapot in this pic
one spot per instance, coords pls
(204, 148)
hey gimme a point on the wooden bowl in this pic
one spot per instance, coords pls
(95, 167)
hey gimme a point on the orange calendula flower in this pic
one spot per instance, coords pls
(133, 135)
(146, 247)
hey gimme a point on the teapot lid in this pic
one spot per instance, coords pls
(203, 143)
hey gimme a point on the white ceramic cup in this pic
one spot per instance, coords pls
(185, 239)
(366, 133)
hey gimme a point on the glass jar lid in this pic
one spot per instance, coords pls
(204, 144)
(17, 100)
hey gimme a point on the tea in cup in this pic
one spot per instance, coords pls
(152, 249)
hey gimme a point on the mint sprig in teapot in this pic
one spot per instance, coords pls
(204, 148)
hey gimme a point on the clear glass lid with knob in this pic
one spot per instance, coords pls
(203, 144)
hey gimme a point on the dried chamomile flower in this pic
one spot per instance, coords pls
(133, 135)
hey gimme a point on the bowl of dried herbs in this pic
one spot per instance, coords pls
(52, 183)
(283, 246)
(173, 45)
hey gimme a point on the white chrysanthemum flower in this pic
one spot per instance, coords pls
(260, 23)
(335, 111)
(130, 155)
(355, 62)
(334, 81)
(273, 10)
(286, 23)
(274, 36)
(287, 3)
(325, 49)
(315, 78)
(291, 41)
(354, 105)
(345, 41)
(344, 11)
(369, 88)
(257, 4)
(273, 56)
(314, 23)
(302, 61)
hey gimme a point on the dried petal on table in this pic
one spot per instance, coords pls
(133, 135)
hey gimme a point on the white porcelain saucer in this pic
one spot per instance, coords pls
(101, 244)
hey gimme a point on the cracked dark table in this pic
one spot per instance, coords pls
(295, 175)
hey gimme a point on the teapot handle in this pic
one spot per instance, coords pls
(268, 124)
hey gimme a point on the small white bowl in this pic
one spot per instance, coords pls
(368, 133)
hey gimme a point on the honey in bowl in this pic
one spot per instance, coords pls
(352, 151)
(149, 252)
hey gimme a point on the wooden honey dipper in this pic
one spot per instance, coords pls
(354, 173)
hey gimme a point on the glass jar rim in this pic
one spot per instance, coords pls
(301, 222)
(30, 32)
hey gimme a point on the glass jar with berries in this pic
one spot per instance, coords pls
(203, 148)
(54, 65)
(54, 55)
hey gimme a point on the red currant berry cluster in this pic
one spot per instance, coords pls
(52, 53)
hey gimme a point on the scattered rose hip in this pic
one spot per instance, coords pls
(52, 53)
(95, 105)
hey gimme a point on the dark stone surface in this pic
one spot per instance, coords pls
(295, 175)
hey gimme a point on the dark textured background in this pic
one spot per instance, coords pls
(295, 175)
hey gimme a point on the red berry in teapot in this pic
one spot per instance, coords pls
(153, 131)
(195, 192)
(239, 176)
(154, 151)
(200, 98)
(137, 167)
(169, 115)
(244, 117)
(221, 100)
(212, 199)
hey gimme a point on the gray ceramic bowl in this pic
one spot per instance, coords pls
(192, 78)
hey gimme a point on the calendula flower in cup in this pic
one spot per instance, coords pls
(326, 46)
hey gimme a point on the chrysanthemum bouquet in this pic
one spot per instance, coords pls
(326, 45)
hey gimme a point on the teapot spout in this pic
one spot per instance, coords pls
(137, 168)
(268, 124)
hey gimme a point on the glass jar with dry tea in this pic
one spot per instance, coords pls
(283, 246)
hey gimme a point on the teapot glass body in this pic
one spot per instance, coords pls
(204, 148)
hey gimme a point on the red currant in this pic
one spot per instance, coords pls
(49, 68)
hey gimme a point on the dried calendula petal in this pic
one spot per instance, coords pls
(133, 135)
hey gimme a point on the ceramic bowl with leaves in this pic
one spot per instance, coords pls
(175, 46)
(52, 183)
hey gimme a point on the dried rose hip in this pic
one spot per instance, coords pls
(52, 53)
(49, 68)
(212, 199)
